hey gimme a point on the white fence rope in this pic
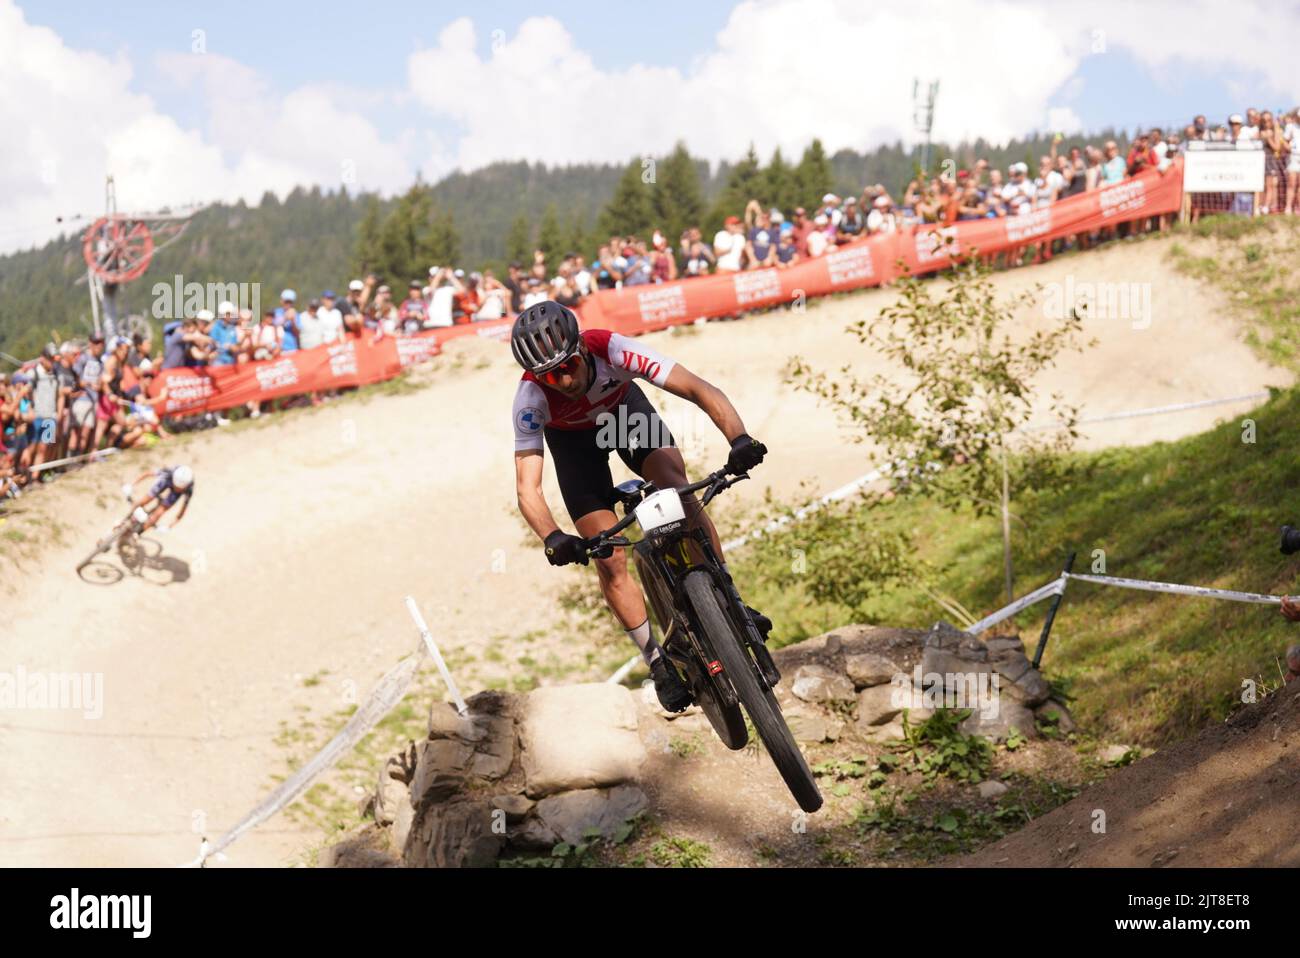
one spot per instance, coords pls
(387, 693)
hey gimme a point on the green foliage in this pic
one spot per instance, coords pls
(519, 242)
(938, 747)
(744, 182)
(813, 177)
(676, 199)
(680, 853)
(549, 240)
(629, 211)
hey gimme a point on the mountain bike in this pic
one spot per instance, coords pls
(126, 532)
(705, 627)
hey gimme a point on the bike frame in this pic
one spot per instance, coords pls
(667, 558)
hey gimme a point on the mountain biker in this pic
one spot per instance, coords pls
(170, 486)
(574, 387)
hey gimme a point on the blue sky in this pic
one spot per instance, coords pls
(367, 95)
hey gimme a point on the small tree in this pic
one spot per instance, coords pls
(947, 426)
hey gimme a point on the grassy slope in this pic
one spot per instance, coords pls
(1204, 510)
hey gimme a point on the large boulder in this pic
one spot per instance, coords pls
(579, 736)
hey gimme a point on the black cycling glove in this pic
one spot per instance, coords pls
(746, 453)
(562, 548)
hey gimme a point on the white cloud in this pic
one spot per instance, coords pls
(81, 119)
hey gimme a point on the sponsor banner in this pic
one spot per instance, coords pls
(1224, 171)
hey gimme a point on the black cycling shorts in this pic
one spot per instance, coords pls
(582, 455)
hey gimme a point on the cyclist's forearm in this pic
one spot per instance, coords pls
(533, 507)
(718, 408)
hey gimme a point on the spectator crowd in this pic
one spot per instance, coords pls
(75, 399)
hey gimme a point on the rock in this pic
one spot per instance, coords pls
(891, 731)
(943, 635)
(1010, 714)
(1011, 664)
(1024, 683)
(991, 789)
(484, 739)
(878, 704)
(533, 834)
(579, 736)
(515, 806)
(810, 727)
(817, 683)
(392, 792)
(403, 817)
(833, 644)
(1001, 644)
(1113, 753)
(867, 669)
(440, 770)
(571, 815)
(946, 662)
(1064, 720)
(459, 835)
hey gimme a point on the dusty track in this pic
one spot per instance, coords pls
(307, 530)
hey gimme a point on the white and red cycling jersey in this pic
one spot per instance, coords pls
(618, 360)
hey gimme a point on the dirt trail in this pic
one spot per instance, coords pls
(1228, 797)
(307, 530)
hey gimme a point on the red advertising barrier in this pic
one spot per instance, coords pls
(641, 309)
(355, 361)
(875, 260)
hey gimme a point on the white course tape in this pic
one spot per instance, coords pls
(1055, 587)
(1152, 411)
(387, 693)
(390, 690)
(432, 646)
(1176, 589)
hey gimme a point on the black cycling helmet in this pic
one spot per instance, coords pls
(544, 336)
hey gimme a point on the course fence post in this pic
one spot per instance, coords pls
(1051, 611)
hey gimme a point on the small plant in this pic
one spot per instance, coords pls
(938, 746)
(1015, 739)
(680, 853)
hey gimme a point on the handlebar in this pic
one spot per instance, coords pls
(602, 545)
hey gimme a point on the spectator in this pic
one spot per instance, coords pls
(582, 275)
(699, 260)
(442, 301)
(760, 245)
(47, 405)
(225, 335)
(729, 245)
(819, 239)
(310, 331)
(1291, 134)
(514, 284)
(787, 251)
(268, 337)
(852, 223)
(638, 271)
(1113, 167)
(331, 319)
(354, 306)
(663, 267)
(465, 301)
(1018, 194)
(1276, 151)
(495, 298)
(882, 218)
(287, 321)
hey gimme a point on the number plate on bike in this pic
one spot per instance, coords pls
(659, 509)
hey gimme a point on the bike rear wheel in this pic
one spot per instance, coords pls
(760, 704)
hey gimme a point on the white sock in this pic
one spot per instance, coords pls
(645, 641)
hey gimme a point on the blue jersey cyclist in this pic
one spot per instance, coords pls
(171, 485)
(576, 384)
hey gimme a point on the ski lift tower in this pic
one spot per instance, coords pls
(118, 248)
(923, 116)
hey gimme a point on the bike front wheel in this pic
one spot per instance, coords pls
(710, 608)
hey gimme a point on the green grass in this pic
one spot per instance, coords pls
(1142, 667)
(1253, 260)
